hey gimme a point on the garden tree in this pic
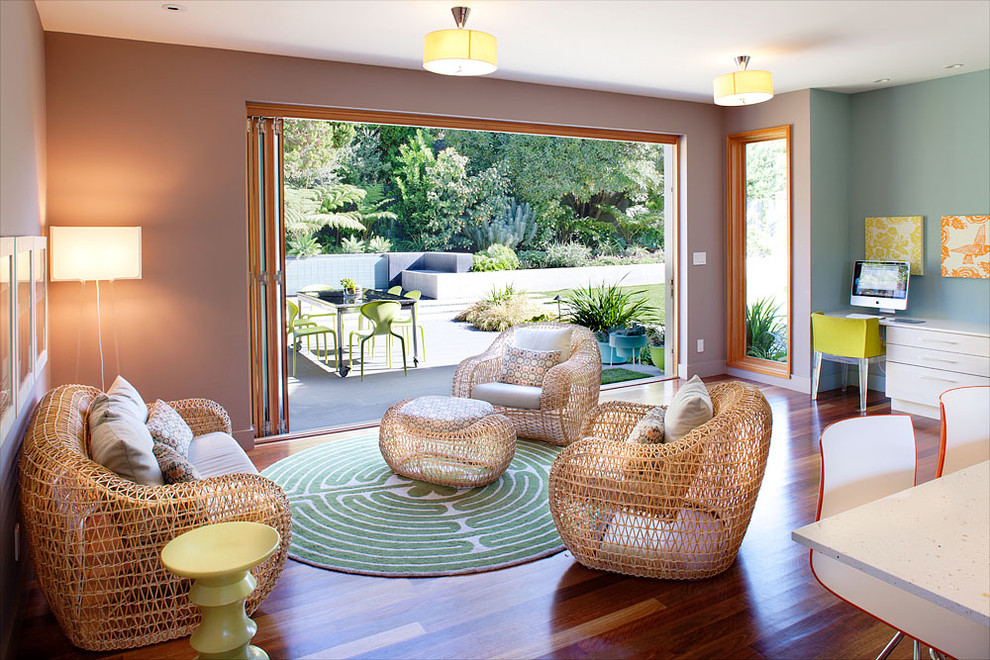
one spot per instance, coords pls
(372, 213)
(314, 151)
(363, 159)
(766, 189)
(309, 211)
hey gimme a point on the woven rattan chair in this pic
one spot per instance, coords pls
(675, 511)
(95, 538)
(570, 389)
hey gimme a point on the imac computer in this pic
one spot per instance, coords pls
(881, 285)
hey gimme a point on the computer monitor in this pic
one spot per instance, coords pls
(881, 285)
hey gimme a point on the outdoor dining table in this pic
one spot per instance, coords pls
(932, 540)
(348, 304)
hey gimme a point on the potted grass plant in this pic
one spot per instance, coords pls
(603, 308)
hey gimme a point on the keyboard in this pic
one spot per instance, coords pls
(863, 316)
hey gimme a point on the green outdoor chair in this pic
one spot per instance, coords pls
(405, 322)
(300, 327)
(395, 291)
(381, 313)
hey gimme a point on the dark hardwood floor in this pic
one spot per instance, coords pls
(767, 605)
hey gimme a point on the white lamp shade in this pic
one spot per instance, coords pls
(460, 52)
(743, 88)
(95, 253)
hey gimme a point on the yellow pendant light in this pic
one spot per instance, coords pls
(460, 52)
(743, 87)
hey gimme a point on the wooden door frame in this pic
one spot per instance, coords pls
(735, 183)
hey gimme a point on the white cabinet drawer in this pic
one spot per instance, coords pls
(940, 341)
(923, 385)
(937, 359)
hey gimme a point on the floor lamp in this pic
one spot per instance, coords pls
(92, 254)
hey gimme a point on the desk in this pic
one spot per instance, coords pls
(337, 301)
(932, 540)
(926, 359)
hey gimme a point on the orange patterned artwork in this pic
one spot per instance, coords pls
(965, 252)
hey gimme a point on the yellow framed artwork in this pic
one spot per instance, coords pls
(897, 238)
(965, 252)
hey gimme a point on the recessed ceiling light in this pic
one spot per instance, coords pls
(882, 81)
(954, 66)
(172, 7)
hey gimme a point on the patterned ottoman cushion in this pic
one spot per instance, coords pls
(442, 414)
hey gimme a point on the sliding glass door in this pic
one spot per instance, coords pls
(266, 256)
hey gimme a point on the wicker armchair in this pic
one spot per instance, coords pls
(95, 538)
(674, 511)
(570, 389)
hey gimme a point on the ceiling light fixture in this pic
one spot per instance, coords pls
(954, 66)
(882, 81)
(743, 87)
(460, 52)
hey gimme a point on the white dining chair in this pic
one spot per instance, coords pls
(965, 428)
(864, 459)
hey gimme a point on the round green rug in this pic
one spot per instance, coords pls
(351, 513)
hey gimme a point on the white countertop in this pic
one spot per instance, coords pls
(932, 540)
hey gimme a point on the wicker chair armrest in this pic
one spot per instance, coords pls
(203, 415)
(483, 368)
(579, 370)
(614, 419)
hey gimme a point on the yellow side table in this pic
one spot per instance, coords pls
(219, 557)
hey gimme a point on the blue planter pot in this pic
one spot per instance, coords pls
(627, 346)
(608, 352)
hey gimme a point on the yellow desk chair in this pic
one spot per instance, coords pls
(300, 327)
(405, 322)
(848, 341)
(381, 314)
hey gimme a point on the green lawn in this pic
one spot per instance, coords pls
(653, 293)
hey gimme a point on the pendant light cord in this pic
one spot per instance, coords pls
(99, 336)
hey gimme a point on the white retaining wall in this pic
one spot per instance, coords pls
(442, 286)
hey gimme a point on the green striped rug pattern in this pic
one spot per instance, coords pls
(351, 513)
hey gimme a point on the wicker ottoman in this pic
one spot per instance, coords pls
(446, 440)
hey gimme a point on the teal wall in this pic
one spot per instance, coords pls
(830, 215)
(921, 149)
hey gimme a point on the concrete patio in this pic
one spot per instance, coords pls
(321, 399)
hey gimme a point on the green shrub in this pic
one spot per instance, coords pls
(379, 244)
(566, 255)
(766, 334)
(302, 245)
(496, 257)
(531, 258)
(352, 245)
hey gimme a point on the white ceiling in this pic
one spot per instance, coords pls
(652, 48)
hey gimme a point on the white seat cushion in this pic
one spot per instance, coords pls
(216, 454)
(544, 339)
(443, 414)
(510, 396)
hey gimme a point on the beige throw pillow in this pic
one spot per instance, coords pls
(123, 444)
(691, 407)
(121, 398)
(544, 339)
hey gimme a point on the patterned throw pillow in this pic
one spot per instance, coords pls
(649, 430)
(168, 427)
(522, 366)
(176, 468)
(172, 437)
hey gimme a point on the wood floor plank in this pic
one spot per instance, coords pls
(766, 605)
